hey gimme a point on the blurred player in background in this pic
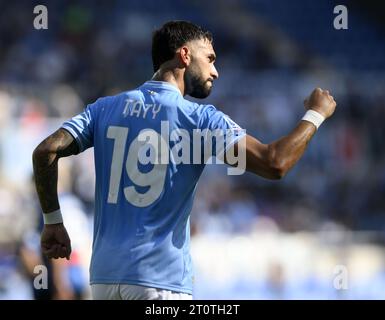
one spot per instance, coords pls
(141, 225)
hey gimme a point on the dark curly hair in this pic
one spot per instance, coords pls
(171, 36)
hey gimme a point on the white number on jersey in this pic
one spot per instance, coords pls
(154, 179)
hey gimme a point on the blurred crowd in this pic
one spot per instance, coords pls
(100, 48)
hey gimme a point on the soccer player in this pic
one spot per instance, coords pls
(141, 225)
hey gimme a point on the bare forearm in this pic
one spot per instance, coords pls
(285, 152)
(45, 168)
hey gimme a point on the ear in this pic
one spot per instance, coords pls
(184, 55)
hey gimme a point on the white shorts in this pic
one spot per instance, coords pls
(133, 292)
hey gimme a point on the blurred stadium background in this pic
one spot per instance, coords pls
(251, 238)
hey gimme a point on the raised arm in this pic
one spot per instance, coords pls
(274, 160)
(55, 242)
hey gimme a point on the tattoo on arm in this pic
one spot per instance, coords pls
(45, 166)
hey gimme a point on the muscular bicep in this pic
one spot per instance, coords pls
(258, 157)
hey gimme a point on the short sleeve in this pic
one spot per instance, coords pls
(81, 127)
(219, 124)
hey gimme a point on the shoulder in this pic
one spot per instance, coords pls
(203, 115)
(200, 110)
(106, 101)
(208, 113)
(208, 110)
(198, 113)
(212, 118)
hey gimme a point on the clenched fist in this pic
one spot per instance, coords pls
(321, 101)
(55, 242)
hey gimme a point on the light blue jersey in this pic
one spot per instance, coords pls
(141, 225)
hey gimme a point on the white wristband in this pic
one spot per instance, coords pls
(314, 117)
(53, 217)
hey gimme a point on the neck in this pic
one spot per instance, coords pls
(172, 76)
